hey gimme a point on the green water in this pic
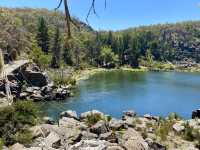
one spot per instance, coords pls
(156, 93)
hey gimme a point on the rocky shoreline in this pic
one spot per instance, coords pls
(94, 130)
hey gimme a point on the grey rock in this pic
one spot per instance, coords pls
(17, 146)
(69, 114)
(109, 136)
(178, 127)
(86, 135)
(36, 78)
(89, 145)
(48, 120)
(100, 127)
(90, 113)
(39, 131)
(155, 146)
(116, 124)
(130, 113)
(24, 95)
(72, 123)
(132, 140)
(196, 114)
(53, 140)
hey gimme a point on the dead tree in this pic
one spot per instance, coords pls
(68, 18)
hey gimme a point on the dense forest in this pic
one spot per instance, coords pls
(41, 34)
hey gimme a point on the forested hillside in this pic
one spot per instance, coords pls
(42, 35)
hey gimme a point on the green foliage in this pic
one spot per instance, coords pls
(14, 121)
(39, 57)
(60, 79)
(151, 46)
(23, 136)
(55, 63)
(191, 134)
(93, 119)
(1, 144)
(163, 128)
(42, 35)
(108, 58)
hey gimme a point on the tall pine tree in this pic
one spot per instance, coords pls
(42, 35)
(55, 63)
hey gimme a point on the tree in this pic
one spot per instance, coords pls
(133, 53)
(110, 38)
(125, 47)
(108, 58)
(42, 35)
(67, 52)
(55, 63)
(149, 57)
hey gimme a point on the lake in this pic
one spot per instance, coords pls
(156, 93)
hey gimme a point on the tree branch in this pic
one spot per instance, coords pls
(68, 16)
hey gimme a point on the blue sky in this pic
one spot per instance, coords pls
(121, 14)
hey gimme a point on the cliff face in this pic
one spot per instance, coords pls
(173, 42)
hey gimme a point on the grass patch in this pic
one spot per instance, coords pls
(163, 128)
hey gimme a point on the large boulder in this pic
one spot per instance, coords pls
(69, 114)
(178, 127)
(130, 113)
(155, 146)
(48, 120)
(132, 140)
(72, 123)
(116, 124)
(39, 79)
(100, 127)
(53, 140)
(89, 145)
(196, 114)
(91, 113)
(86, 135)
(17, 146)
(39, 131)
(109, 136)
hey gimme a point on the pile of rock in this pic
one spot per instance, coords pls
(47, 93)
(76, 133)
(86, 132)
(30, 83)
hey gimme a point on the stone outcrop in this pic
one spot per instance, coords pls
(30, 83)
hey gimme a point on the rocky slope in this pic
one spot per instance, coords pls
(94, 130)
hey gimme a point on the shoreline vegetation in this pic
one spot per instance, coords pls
(86, 73)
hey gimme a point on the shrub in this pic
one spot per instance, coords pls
(15, 120)
(1, 144)
(93, 119)
(63, 80)
(191, 134)
(163, 128)
(23, 136)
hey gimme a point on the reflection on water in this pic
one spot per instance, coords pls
(114, 92)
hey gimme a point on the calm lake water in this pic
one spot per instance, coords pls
(155, 93)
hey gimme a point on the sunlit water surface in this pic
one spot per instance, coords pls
(156, 93)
